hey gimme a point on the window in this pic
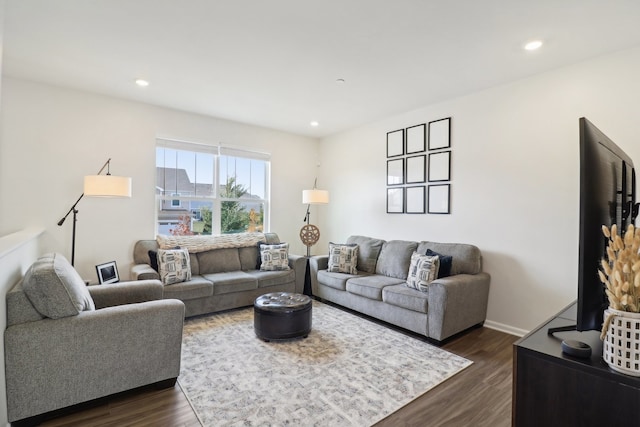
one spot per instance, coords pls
(202, 189)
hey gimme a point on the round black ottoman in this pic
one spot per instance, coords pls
(282, 315)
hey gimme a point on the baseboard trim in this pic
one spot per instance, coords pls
(505, 328)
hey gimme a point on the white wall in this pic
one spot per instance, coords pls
(515, 180)
(52, 137)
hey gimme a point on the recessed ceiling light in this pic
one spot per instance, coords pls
(533, 45)
(314, 124)
(142, 82)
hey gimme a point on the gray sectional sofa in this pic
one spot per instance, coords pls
(447, 306)
(224, 278)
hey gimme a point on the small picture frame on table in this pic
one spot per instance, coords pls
(107, 273)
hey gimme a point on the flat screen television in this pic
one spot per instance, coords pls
(607, 197)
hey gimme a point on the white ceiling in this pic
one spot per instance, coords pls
(274, 63)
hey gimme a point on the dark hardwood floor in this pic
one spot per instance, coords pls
(478, 396)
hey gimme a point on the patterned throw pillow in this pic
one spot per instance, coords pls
(422, 271)
(174, 265)
(343, 258)
(274, 257)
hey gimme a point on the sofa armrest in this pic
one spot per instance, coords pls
(298, 263)
(54, 363)
(143, 272)
(457, 303)
(126, 293)
(317, 263)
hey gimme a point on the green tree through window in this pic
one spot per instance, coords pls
(233, 216)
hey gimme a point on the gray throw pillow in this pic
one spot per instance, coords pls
(55, 288)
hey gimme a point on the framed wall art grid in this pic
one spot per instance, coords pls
(419, 154)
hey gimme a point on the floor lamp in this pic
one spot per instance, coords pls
(309, 233)
(98, 186)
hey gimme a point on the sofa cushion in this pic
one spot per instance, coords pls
(467, 259)
(197, 287)
(405, 297)
(446, 261)
(19, 308)
(422, 271)
(335, 280)
(273, 278)
(274, 257)
(343, 258)
(394, 258)
(368, 251)
(219, 260)
(370, 286)
(231, 281)
(55, 288)
(174, 266)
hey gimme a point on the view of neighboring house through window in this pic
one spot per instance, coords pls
(203, 189)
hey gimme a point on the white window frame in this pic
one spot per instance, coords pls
(217, 151)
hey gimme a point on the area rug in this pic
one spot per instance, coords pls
(349, 371)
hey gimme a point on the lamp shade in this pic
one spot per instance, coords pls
(315, 197)
(107, 186)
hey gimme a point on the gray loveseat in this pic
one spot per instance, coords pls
(68, 343)
(224, 278)
(448, 306)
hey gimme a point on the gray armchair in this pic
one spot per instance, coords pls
(67, 343)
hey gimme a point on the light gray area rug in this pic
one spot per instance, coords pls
(349, 371)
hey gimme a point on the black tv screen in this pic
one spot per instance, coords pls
(607, 197)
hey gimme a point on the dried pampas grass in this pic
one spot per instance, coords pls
(620, 272)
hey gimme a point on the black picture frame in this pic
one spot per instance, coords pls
(415, 201)
(395, 200)
(395, 143)
(395, 172)
(439, 199)
(440, 166)
(107, 273)
(416, 137)
(416, 169)
(440, 134)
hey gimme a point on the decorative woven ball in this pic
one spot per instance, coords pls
(309, 234)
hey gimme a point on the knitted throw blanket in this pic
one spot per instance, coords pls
(204, 243)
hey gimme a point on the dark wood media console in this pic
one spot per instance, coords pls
(554, 389)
